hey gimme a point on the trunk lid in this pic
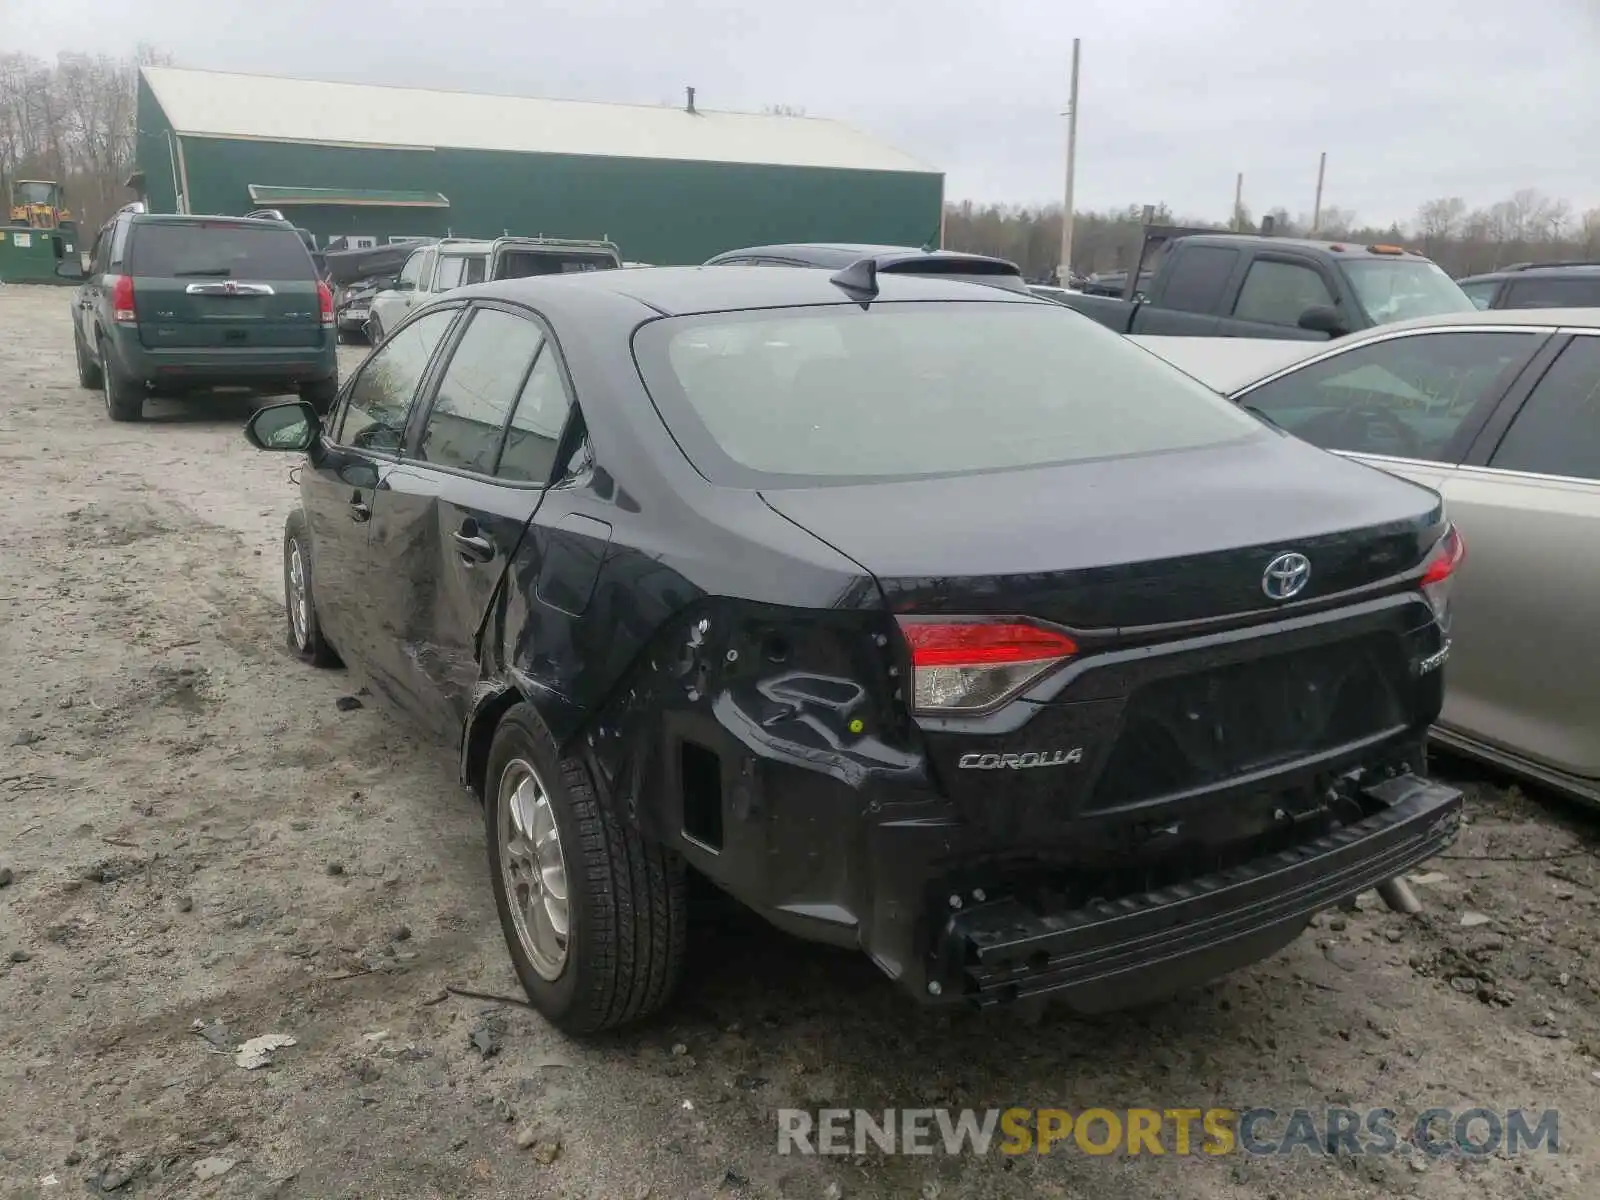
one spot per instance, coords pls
(1128, 542)
(223, 284)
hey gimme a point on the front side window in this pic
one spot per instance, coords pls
(1398, 289)
(1404, 397)
(477, 390)
(1558, 430)
(1481, 293)
(1276, 293)
(380, 398)
(836, 393)
(473, 267)
(412, 271)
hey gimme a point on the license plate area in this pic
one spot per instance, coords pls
(1193, 730)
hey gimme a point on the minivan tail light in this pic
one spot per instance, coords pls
(325, 295)
(122, 309)
(964, 665)
(1439, 572)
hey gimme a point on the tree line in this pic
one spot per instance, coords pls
(73, 121)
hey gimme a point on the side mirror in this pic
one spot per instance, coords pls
(69, 268)
(403, 285)
(1320, 318)
(291, 426)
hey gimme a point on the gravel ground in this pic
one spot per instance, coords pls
(194, 831)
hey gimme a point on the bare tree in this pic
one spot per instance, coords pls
(73, 122)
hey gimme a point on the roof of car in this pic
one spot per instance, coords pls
(1529, 269)
(673, 291)
(1228, 364)
(1335, 249)
(150, 218)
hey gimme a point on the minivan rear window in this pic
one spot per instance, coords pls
(218, 250)
(839, 393)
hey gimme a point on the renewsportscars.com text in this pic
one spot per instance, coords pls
(1437, 1132)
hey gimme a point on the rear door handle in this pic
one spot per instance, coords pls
(358, 508)
(474, 547)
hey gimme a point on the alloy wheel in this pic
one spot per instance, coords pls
(533, 869)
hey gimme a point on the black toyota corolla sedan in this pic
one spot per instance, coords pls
(921, 617)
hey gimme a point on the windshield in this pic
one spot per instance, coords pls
(842, 394)
(35, 193)
(220, 250)
(1397, 289)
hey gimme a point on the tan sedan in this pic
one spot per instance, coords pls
(1500, 413)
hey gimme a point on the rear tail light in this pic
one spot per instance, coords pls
(967, 665)
(122, 310)
(1439, 572)
(325, 295)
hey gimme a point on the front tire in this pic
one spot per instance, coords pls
(594, 914)
(299, 600)
(124, 396)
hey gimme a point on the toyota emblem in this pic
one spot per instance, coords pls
(1286, 576)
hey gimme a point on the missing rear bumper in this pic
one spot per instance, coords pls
(1112, 954)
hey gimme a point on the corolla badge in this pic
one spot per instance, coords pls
(1286, 576)
(1021, 762)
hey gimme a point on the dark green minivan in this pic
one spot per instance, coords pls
(172, 305)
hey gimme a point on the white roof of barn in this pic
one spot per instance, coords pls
(217, 104)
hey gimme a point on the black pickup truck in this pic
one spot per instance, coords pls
(1211, 284)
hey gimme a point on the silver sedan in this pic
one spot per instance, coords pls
(1500, 413)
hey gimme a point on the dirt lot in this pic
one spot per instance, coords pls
(192, 829)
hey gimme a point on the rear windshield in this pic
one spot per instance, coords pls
(906, 390)
(521, 264)
(219, 249)
(1397, 289)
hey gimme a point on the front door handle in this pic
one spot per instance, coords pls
(474, 547)
(358, 508)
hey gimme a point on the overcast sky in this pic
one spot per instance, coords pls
(1412, 99)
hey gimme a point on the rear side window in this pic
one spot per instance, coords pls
(477, 390)
(473, 269)
(450, 269)
(900, 390)
(1558, 430)
(1572, 292)
(536, 424)
(220, 250)
(1196, 279)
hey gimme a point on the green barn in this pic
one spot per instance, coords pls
(667, 184)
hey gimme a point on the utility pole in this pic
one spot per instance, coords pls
(1238, 203)
(1316, 212)
(1072, 160)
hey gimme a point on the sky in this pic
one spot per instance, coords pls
(1411, 99)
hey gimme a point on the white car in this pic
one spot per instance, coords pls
(442, 266)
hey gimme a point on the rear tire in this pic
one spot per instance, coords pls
(624, 898)
(124, 396)
(299, 600)
(89, 375)
(321, 394)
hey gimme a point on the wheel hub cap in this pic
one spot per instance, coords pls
(533, 868)
(299, 607)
